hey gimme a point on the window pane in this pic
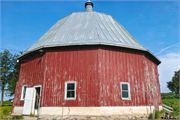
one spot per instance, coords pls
(70, 94)
(125, 94)
(70, 86)
(124, 87)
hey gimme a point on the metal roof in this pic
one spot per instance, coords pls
(87, 28)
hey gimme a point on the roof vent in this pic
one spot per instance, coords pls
(89, 6)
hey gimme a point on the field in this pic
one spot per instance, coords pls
(170, 101)
(5, 109)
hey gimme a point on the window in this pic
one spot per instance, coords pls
(125, 91)
(23, 94)
(70, 90)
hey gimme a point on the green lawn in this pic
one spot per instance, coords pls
(175, 103)
(5, 109)
(168, 102)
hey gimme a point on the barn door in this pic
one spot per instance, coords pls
(28, 102)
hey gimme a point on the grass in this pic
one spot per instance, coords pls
(150, 116)
(175, 103)
(18, 117)
(5, 109)
(157, 115)
(175, 114)
(31, 115)
(7, 103)
(162, 112)
(170, 101)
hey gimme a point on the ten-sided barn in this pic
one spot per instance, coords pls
(87, 64)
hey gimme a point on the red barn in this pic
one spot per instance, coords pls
(87, 64)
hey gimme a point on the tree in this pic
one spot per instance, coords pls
(13, 76)
(6, 64)
(173, 85)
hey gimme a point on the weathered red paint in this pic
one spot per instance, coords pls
(98, 71)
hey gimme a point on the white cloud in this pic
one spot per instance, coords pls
(170, 63)
(167, 48)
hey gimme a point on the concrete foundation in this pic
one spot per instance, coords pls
(18, 110)
(91, 111)
(95, 111)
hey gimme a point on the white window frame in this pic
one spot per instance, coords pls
(65, 93)
(23, 93)
(129, 94)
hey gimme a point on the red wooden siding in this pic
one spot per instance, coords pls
(152, 82)
(121, 65)
(31, 74)
(98, 71)
(71, 65)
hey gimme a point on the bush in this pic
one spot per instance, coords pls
(150, 116)
(6, 112)
(162, 112)
(169, 96)
(157, 116)
(176, 108)
(17, 117)
(175, 114)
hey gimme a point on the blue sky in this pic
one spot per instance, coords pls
(155, 24)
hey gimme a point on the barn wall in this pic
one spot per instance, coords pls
(121, 65)
(98, 71)
(132, 66)
(152, 82)
(74, 64)
(31, 74)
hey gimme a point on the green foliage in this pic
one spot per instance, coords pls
(173, 85)
(169, 96)
(7, 103)
(31, 115)
(162, 112)
(175, 103)
(176, 108)
(6, 111)
(13, 75)
(6, 65)
(157, 116)
(18, 117)
(150, 116)
(175, 113)
(168, 102)
(9, 73)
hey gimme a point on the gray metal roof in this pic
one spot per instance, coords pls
(87, 28)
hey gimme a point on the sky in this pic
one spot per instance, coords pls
(155, 24)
